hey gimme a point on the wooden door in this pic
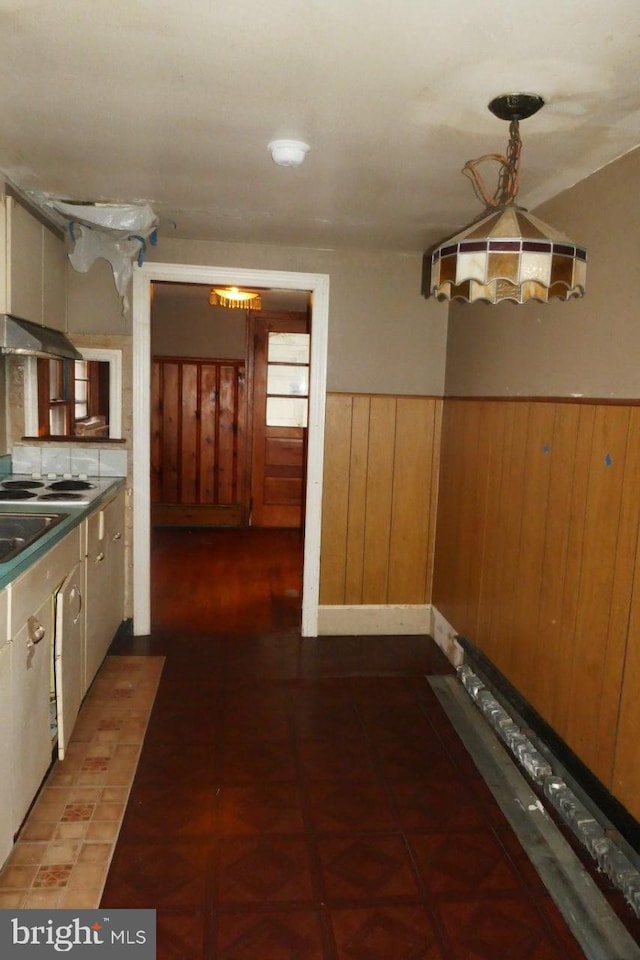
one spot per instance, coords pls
(198, 442)
(280, 381)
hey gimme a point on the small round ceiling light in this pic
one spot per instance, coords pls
(288, 153)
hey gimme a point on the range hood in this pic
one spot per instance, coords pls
(32, 340)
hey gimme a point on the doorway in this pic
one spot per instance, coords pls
(318, 286)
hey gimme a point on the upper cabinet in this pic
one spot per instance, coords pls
(32, 268)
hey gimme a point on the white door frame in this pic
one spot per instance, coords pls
(318, 285)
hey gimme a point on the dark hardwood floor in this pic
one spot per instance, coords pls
(308, 799)
(223, 579)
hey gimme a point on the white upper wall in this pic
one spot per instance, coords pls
(384, 337)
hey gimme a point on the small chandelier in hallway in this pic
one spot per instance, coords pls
(235, 298)
(507, 254)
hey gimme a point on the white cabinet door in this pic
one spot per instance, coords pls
(69, 654)
(104, 583)
(33, 268)
(6, 820)
(30, 696)
(54, 281)
(24, 257)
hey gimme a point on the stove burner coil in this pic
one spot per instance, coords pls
(22, 484)
(71, 485)
(17, 495)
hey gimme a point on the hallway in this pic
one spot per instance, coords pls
(308, 799)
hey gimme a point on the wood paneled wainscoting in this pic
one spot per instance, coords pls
(378, 513)
(536, 563)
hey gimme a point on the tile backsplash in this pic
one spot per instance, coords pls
(75, 461)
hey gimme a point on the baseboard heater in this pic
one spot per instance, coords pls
(601, 824)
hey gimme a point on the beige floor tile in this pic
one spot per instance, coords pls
(27, 853)
(104, 830)
(43, 899)
(18, 877)
(87, 899)
(10, 900)
(61, 851)
(95, 853)
(88, 875)
(38, 830)
(72, 830)
(109, 811)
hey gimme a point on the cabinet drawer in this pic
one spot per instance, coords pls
(41, 580)
(105, 524)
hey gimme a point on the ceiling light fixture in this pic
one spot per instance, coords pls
(507, 254)
(288, 153)
(235, 298)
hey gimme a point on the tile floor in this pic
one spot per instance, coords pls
(64, 849)
(309, 800)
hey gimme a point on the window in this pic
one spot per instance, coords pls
(287, 379)
(81, 398)
(73, 398)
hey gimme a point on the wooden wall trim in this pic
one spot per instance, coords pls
(600, 401)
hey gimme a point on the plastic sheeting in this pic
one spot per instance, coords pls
(118, 233)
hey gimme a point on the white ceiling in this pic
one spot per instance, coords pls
(175, 103)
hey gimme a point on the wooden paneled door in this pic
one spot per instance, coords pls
(280, 399)
(199, 464)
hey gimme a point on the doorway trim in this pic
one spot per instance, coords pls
(318, 285)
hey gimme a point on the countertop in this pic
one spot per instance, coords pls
(74, 515)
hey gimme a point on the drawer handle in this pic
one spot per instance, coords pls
(35, 631)
(76, 593)
(100, 557)
(117, 536)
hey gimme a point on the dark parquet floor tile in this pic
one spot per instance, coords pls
(258, 762)
(436, 805)
(171, 810)
(510, 928)
(466, 862)
(260, 808)
(263, 870)
(385, 933)
(290, 935)
(366, 868)
(355, 807)
(181, 935)
(158, 875)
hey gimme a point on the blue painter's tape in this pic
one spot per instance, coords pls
(608, 461)
(546, 448)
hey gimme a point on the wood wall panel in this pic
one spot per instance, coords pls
(381, 457)
(544, 495)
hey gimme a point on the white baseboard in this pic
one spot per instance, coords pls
(374, 620)
(445, 636)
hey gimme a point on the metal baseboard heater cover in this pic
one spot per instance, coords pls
(25, 338)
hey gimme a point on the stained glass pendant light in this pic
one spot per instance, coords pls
(507, 254)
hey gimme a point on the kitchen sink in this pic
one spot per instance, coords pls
(19, 530)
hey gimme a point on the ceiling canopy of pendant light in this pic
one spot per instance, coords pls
(507, 254)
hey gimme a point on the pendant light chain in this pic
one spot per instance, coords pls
(508, 177)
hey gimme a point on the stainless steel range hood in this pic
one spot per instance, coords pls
(30, 339)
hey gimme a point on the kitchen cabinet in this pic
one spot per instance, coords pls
(104, 582)
(32, 267)
(31, 628)
(6, 821)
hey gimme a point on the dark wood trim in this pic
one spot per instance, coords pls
(597, 401)
(613, 810)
